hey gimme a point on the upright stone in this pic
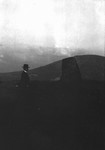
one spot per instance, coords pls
(70, 70)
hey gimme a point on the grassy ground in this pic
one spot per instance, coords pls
(52, 116)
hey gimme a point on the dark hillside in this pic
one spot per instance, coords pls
(86, 67)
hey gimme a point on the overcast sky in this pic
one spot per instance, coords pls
(65, 27)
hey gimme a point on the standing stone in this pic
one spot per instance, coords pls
(70, 70)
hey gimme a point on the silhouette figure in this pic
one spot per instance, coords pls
(25, 80)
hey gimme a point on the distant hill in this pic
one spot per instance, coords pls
(92, 67)
(89, 67)
(49, 72)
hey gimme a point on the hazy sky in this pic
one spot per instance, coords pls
(65, 27)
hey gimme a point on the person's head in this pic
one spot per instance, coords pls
(25, 67)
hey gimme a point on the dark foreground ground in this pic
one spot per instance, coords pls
(53, 116)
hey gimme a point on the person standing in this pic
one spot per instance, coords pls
(25, 80)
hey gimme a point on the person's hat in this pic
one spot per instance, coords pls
(26, 66)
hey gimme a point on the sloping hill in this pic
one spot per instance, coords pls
(91, 68)
(48, 72)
